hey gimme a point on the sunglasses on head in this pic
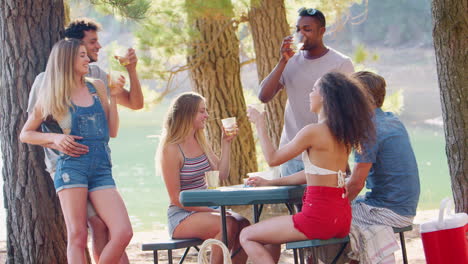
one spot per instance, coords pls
(310, 11)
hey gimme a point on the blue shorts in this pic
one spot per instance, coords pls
(92, 170)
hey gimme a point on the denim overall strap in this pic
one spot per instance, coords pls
(91, 88)
(90, 122)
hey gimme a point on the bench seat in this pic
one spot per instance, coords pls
(169, 245)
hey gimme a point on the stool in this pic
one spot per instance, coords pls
(169, 245)
(402, 240)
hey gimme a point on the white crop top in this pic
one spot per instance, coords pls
(312, 169)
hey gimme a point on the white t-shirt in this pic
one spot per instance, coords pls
(298, 78)
(51, 155)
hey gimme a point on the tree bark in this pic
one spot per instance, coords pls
(215, 73)
(450, 33)
(268, 24)
(35, 226)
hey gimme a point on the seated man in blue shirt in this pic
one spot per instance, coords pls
(387, 167)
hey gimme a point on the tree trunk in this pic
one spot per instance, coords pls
(268, 24)
(215, 73)
(35, 226)
(450, 38)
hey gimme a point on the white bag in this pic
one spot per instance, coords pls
(204, 259)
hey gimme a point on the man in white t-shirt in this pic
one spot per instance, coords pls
(86, 30)
(297, 73)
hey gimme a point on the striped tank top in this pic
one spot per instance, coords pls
(192, 173)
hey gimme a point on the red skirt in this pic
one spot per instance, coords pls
(325, 213)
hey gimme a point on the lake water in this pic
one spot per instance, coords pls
(145, 194)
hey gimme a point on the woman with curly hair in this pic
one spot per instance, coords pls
(344, 122)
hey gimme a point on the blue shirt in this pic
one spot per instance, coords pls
(393, 178)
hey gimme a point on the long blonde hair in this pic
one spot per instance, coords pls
(55, 90)
(179, 122)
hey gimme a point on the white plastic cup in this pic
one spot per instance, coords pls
(298, 41)
(245, 182)
(112, 80)
(229, 125)
(121, 56)
(212, 179)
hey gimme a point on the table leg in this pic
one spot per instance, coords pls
(290, 208)
(257, 211)
(223, 225)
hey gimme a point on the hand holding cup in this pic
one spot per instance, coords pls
(129, 60)
(255, 116)
(257, 181)
(286, 50)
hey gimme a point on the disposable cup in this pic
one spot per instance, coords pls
(123, 60)
(112, 80)
(245, 182)
(229, 125)
(121, 54)
(212, 179)
(298, 41)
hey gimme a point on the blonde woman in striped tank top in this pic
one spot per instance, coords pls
(184, 156)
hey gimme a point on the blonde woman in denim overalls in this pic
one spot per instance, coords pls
(82, 109)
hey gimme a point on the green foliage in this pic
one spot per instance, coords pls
(394, 102)
(209, 8)
(131, 9)
(361, 55)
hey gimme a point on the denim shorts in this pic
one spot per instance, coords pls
(175, 215)
(92, 170)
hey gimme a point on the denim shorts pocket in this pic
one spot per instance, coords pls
(91, 124)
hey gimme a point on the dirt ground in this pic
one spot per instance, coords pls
(137, 256)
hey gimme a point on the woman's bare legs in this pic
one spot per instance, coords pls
(276, 230)
(208, 225)
(111, 209)
(100, 237)
(73, 203)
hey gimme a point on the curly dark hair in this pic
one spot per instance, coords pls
(77, 27)
(348, 110)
